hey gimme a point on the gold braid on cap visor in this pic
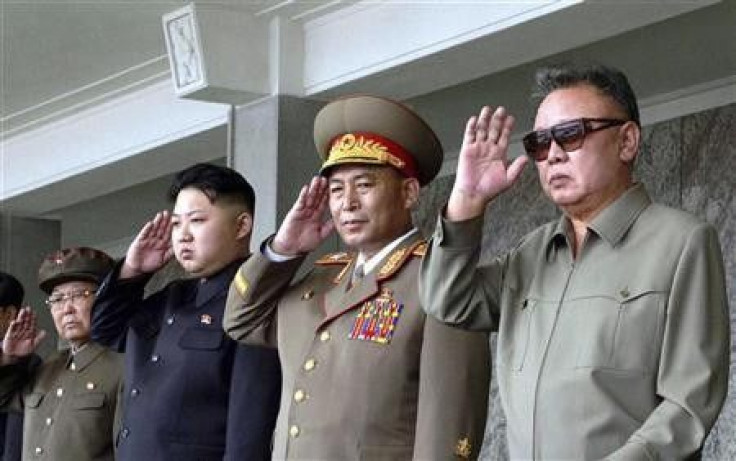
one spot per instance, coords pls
(372, 149)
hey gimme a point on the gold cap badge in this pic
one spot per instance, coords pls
(463, 449)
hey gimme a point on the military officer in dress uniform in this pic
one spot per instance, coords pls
(367, 375)
(192, 393)
(70, 400)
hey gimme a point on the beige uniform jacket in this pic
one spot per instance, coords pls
(70, 404)
(622, 353)
(366, 375)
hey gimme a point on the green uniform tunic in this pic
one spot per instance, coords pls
(69, 403)
(622, 352)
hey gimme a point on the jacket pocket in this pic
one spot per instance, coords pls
(514, 335)
(91, 401)
(620, 332)
(205, 339)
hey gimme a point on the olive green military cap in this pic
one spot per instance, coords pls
(73, 264)
(376, 131)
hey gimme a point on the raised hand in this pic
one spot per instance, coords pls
(151, 249)
(22, 337)
(305, 227)
(483, 170)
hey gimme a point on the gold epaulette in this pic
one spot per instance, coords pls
(399, 257)
(334, 259)
(420, 250)
(337, 259)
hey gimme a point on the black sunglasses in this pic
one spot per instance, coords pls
(568, 135)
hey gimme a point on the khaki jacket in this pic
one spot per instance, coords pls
(622, 353)
(70, 404)
(366, 374)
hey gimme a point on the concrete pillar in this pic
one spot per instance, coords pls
(274, 149)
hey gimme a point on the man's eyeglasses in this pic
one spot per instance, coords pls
(57, 300)
(568, 135)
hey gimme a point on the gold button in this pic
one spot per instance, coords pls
(38, 450)
(324, 336)
(625, 293)
(294, 431)
(309, 294)
(49, 421)
(299, 395)
(90, 386)
(310, 364)
(59, 392)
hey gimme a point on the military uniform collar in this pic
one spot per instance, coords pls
(340, 300)
(613, 222)
(84, 355)
(208, 287)
(370, 264)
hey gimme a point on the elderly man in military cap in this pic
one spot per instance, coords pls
(366, 374)
(69, 400)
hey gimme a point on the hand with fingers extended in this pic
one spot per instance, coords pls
(305, 227)
(151, 249)
(483, 170)
(22, 337)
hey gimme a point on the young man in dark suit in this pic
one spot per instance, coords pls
(192, 393)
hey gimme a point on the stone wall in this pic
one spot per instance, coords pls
(688, 163)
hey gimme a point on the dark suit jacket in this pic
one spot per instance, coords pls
(11, 436)
(191, 392)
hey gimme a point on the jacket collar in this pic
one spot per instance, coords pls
(339, 300)
(209, 287)
(85, 355)
(612, 223)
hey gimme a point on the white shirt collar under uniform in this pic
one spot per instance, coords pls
(370, 264)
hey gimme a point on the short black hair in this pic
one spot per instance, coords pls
(608, 80)
(11, 291)
(216, 182)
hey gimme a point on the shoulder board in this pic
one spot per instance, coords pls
(420, 250)
(397, 259)
(334, 259)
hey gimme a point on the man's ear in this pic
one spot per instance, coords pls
(411, 189)
(629, 145)
(245, 224)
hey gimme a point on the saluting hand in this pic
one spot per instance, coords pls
(305, 227)
(483, 169)
(22, 337)
(151, 249)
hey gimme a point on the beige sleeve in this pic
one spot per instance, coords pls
(251, 308)
(452, 288)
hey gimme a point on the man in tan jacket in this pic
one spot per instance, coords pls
(366, 374)
(613, 326)
(70, 399)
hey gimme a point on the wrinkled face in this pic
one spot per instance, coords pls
(206, 237)
(370, 206)
(71, 306)
(586, 180)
